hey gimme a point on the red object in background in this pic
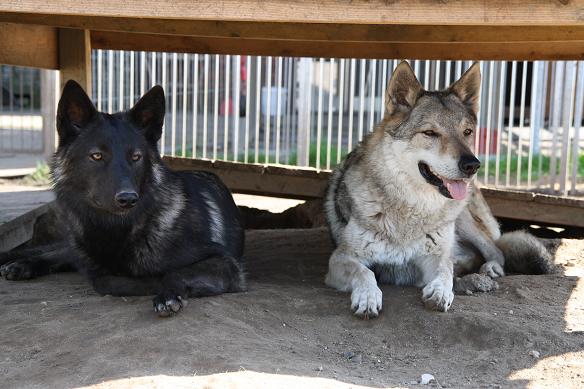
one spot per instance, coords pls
(493, 136)
(223, 110)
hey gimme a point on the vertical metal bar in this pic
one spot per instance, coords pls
(132, 97)
(309, 121)
(185, 101)
(384, 87)
(195, 103)
(153, 70)
(258, 108)
(488, 126)
(510, 126)
(427, 75)
(247, 98)
(417, 68)
(216, 107)
(501, 117)
(569, 85)
(142, 73)
(163, 138)
(542, 119)
(205, 103)
(351, 103)
(521, 122)
(373, 74)
(174, 106)
(341, 108)
(99, 79)
(227, 108)
(110, 81)
(577, 126)
(319, 111)
(458, 70)
(121, 81)
(556, 118)
(533, 113)
(289, 107)
(268, 127)
(437, 76)
(447, 75)
(361, 97)
(236, 107)
(330, 115)
(278, 106)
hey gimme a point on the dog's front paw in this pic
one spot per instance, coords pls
(16, 271)
(168, 304)
(366, 301)
(492, 269)
(437, 296)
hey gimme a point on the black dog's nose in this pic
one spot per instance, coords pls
(127, 199)
(469, 164)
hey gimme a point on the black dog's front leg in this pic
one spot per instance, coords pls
(212, 276)
(39, 261)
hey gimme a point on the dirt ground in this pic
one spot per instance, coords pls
(289, 330)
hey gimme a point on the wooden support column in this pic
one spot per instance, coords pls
(75, 57)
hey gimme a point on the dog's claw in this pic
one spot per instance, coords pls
(168, 305)
(437, 296)
(366, 302)
(16, 271)
(492, 269)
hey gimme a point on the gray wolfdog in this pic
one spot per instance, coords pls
(133, 226)
(403, 209)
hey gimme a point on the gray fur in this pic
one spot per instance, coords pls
(389, 223)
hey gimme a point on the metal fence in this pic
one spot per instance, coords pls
(312, 112)
(21, 122)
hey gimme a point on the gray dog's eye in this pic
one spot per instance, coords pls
(431, 133)
(467, 132)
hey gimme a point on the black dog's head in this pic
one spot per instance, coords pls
(106, 159)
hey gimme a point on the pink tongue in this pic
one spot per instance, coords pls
(457, 189)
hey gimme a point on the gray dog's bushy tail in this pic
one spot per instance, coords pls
(525, 254)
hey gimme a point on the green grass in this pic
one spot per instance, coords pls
(545, 167)
(41, 175)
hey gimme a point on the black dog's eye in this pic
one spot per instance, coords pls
(467, 132)
(431, 133)
(136, 157)
(96, 156)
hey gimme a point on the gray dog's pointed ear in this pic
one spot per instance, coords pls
(403, 89)
(468, 87)
(75, 110)
(148, 113)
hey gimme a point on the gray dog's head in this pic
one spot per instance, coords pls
(433, 132)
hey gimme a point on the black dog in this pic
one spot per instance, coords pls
(134, 226)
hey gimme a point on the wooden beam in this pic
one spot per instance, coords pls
(28, 45)
(420, 50)
(177, 17)
(306, 183)
(75, 57)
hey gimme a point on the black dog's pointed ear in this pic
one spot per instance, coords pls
(75, 110)
(403, 89)
(468, 87)
(148, 113)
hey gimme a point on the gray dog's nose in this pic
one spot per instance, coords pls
(469, 164)
(127, 199)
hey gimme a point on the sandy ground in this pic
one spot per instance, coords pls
(289, 330)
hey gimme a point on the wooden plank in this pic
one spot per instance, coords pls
(162, 17)
(29, 45)
(421, 50)
(75, 57)
(307, 183)
(19, 211)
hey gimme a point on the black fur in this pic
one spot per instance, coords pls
(134, 227)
